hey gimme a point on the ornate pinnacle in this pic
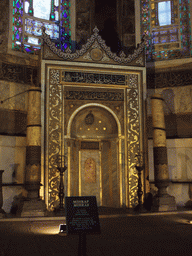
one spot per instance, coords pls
(96, 30)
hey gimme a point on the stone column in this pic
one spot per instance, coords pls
(163, 201)
(33, 206)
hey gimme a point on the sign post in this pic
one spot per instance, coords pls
(82, 218)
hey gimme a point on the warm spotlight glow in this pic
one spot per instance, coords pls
(46, 228)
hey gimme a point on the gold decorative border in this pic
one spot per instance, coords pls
(54, 129)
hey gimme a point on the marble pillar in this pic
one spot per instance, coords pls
(163, 201)
(33, 205)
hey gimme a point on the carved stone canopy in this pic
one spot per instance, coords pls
(94, 51)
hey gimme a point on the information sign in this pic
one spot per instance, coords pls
(82, 215)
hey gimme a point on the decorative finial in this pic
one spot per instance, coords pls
(96, 30)
(68, 50)
(122, 55)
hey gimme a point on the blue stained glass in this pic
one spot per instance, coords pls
(42, 10)
(27, 50)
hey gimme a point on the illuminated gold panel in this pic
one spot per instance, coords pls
(56, 112)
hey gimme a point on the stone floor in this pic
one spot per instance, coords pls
(122, 233)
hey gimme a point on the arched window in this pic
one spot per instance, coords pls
(30, 15)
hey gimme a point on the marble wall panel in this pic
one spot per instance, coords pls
(74, 169)
(90, 189)
(115, 174)
(172, 167)
(179, 152)
(9, 195)
(12, 161)
(180, 192)
(105, 173)
(183, 99)
(19, 100)
(12, 158)
(7, 163)
(123, 172)
(188, 153)
(4, 94)
(177, 99)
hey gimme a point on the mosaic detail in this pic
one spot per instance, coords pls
(68, 55)
(133, 142)
(146, 27)
(54, 135)
(185, 27)
(91, 95)
(30, 15)
(93, 78)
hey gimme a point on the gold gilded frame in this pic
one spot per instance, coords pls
(133, 133)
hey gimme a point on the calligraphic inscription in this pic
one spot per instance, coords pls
(169, 79)
(82, 215)
(18, 73)
(93, 78)
(91, 95)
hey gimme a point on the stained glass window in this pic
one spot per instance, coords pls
(170, 37)
(30, 15)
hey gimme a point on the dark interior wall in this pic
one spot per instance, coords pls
(4, 25)
(105, 9)
(115, 20)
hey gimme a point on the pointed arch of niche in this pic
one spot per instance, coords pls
(95, 167)
(89, 105)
